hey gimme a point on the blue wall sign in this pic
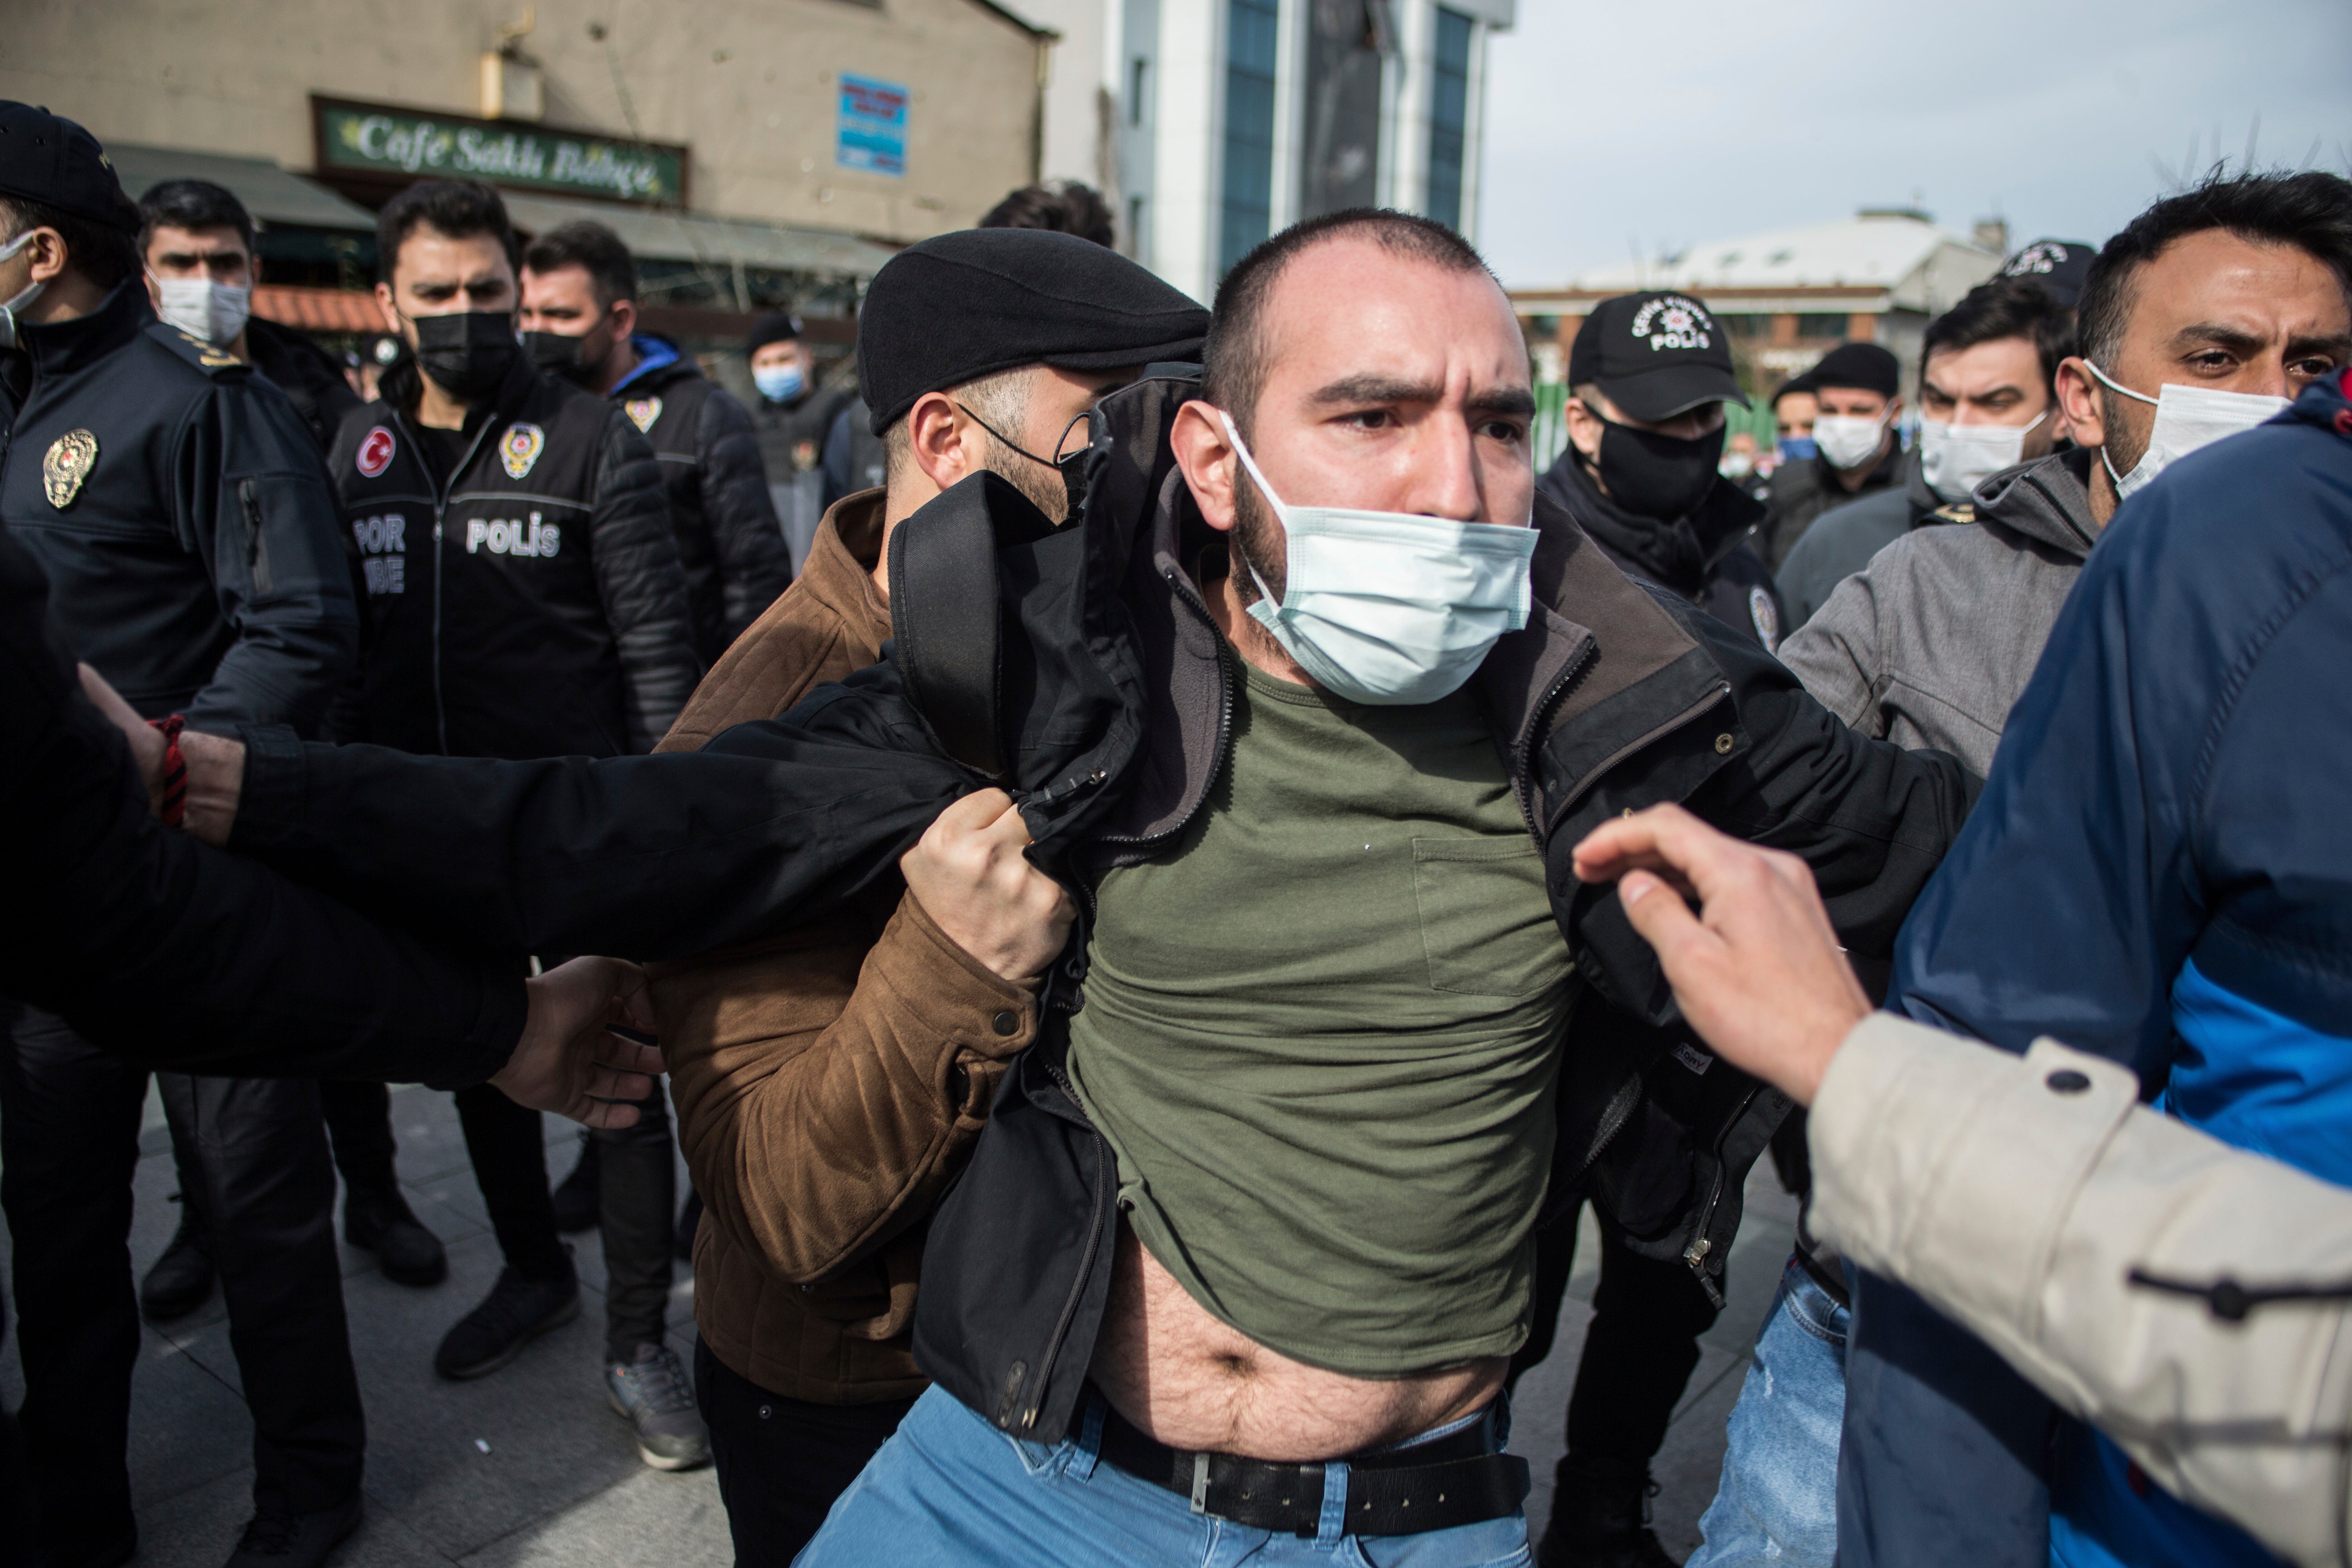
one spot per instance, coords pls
(873, 128)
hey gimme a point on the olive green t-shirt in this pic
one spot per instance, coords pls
(1320, 1032)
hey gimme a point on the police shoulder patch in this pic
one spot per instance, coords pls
(643, 412)
(196, 352)
(65, 465)
(376, 449)
(1767, 618)
(519, 447)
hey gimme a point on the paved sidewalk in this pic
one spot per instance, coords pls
(560, 1481)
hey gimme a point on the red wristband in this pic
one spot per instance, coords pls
(175, 771)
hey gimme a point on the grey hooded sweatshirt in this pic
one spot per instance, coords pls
(1931, 643)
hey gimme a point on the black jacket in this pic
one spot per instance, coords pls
(728, 541)
(176, 504)
(534, 607)
(174, 954)
(1705, 558)
(305, 373)
(1078, 667)
(1803, 490)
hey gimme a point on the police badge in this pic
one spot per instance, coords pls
(70, 458)
(518, 448)
(642, 412)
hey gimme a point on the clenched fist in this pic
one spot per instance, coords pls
(970, 877)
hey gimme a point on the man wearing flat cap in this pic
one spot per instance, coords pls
(1856, 452)
(793, 416)
(831, 1082)
(177, 505)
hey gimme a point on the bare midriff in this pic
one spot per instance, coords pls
(1195, 1383)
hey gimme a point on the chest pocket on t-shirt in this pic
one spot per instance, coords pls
(1486, 922)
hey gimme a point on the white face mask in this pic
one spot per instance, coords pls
(1849, 440)
(1956, 458)
(203, 309)
(2187, 417)
(25, 296)
(1390, 607)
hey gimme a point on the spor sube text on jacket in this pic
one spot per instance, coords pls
(533, 605)
(728, 541)
(175, 503)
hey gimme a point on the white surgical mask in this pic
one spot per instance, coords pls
(1849, 440)
(2187, 417)
(25, 296)
(1390, 607)
(1956, 458)
(203, 309)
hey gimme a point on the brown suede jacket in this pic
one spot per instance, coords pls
(829, 1081)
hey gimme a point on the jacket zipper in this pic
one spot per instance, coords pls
(1077, 1286)
(1192, 602)
(441, 490)
(257, 548)
(1522, 777)
(1694, 1255)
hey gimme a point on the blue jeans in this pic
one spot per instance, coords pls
(1777, 1502)
(948, 1488)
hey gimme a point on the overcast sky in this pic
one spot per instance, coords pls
(1612, 125)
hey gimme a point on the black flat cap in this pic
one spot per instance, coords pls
(2058, 265)
(48, 159)
(1655, 355)
(968, 304)
(776, 326)
(1864, 365)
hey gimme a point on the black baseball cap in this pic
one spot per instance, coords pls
(2058, 265)
(1864, 365)
(1655, 355)
(48, 159)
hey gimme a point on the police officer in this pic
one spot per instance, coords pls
(1648, 377)
(579, 319)
(522, 597)
(1856, 451)
(176, 505)
(796, 420)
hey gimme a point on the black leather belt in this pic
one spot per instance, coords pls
(1452, 1480)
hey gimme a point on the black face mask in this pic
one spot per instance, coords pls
(467, 354)
(559, 353)
(1655, 476)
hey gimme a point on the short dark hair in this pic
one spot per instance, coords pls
(193, 204)
(1067, 206)
(2311, 210)
(100, 252)
(1233, 360)
(2005, 308)
(458, 209)
(591, 245)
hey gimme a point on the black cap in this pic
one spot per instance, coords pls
(1803, 383)
(1655, 355)
(48, 159)
(1864, 365)
(2058, 265)
(963, 305)
(777, 327)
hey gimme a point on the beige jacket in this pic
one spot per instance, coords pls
(2017, 1204)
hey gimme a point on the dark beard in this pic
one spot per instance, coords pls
(1256, 541)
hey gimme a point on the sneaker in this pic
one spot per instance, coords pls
(690, 1220)
(516, 1312)
(1600, 1517)
(578, 1205)
(277, 1539)
(182, 1279)
(651, 1392)
(380, 1221)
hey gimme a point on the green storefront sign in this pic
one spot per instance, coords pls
(362, 138)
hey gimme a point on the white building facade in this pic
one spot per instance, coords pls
(1210, 124)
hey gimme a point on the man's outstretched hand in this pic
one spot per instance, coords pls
(215, 763)
(970, 875)
(1757, 971)
(569, 1061)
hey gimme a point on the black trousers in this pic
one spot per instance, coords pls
(782, 1461)
(1639, 1350)
(637, 1188)
(68, 1146)
(358, 1123)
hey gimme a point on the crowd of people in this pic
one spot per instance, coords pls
(1169, 865)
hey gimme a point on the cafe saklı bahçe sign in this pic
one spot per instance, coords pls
(362, 138)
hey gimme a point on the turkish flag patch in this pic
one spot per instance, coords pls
(375, 451)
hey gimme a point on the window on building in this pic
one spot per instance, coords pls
(1139, 78)
(1138, 236)
(1252, 27)
(1449, 117)
(1813, 325)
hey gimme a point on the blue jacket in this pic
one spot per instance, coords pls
(2159, 870)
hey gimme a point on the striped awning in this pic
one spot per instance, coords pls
(317, 309)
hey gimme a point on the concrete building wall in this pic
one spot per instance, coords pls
(753, 90)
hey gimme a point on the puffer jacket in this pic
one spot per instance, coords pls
(829, 1080)
(1932, 643)
(729, 540)
(533, 605)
